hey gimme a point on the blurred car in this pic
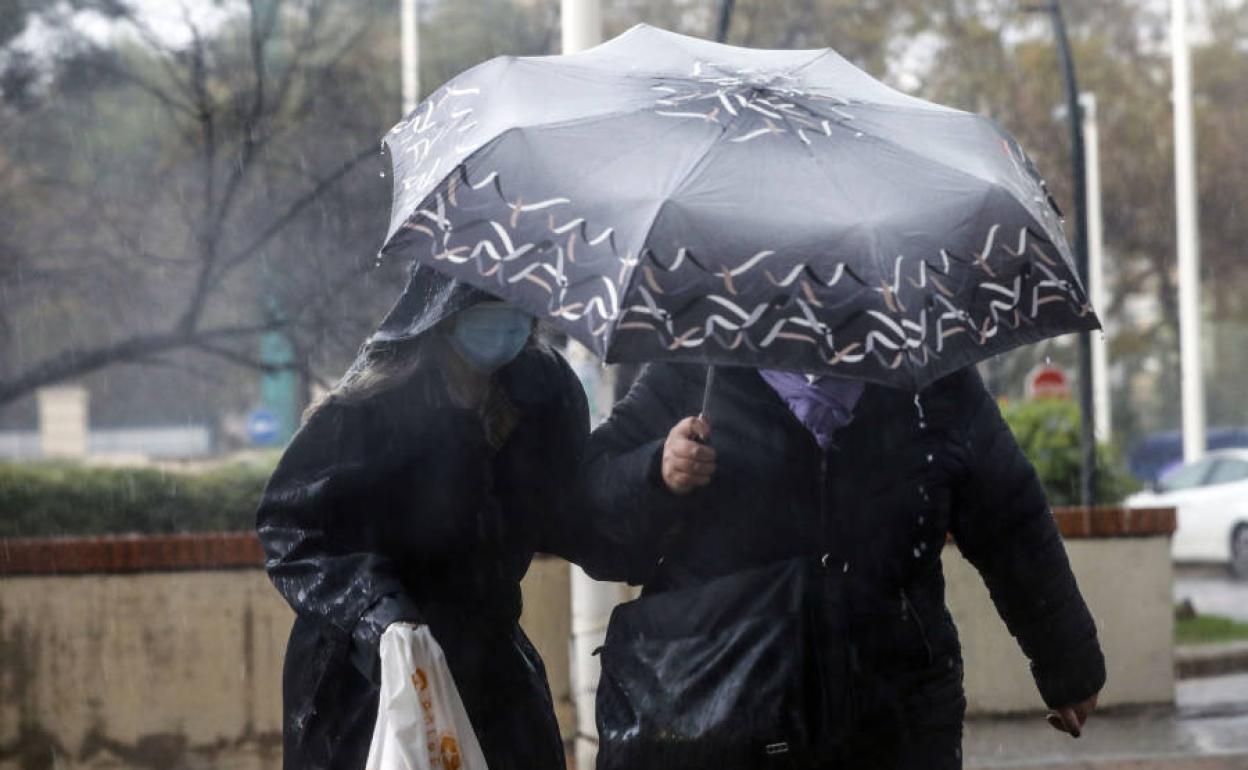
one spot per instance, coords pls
(1211, 496)
(1159, 453)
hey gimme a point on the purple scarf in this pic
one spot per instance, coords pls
(823, 404)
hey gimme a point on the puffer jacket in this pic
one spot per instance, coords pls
(875, 510)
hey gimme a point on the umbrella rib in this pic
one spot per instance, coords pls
(626, 286)
(874, 256)
(908, 151)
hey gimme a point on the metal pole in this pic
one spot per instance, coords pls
(581, 24)
(725, 20)
(409, 31)
(1102, 407)
(592, 601)
(279, 387)
(1193, 393)
(1087, 432)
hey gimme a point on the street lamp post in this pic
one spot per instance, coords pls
(1188, 236)
(725, 20)
(279, 387)
(1087, 429)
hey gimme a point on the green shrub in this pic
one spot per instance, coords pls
(1048, 431)
(52, 499)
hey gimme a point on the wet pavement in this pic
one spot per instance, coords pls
(1209, 724)
(1212, 591)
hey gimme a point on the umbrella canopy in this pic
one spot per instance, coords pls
(664, 197)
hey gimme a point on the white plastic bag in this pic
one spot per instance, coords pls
(421, 721)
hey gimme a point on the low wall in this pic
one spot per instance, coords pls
(1122, 562)
(165, 653)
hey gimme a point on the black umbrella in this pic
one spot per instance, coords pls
(665, 197)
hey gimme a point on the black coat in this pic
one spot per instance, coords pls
(901, 477)
(396, 508)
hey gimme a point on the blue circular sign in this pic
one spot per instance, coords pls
(263, 427)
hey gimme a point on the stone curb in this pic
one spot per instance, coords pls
(1216, 762)
(1192, 661)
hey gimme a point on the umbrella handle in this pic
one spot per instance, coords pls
(706, 394)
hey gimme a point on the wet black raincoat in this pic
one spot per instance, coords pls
(874, 511)
(396, 508)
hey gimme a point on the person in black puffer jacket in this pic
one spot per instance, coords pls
(875, 508)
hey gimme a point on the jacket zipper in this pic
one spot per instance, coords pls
(823, 509)
(851, 653)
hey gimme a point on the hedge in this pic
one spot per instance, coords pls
(51, 499)
(1048, 432)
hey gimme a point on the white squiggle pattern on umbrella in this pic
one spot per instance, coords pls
(420, 142)
(718, 93)
(888, 334)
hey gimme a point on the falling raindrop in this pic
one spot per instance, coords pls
(382, 174)
(917, 553)
(1048, 360)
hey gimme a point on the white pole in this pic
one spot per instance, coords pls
(592, 602)
(409, 32)
(582, 24)
(1188, 238)
(1101, 404)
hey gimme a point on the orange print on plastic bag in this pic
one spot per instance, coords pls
(444, 749)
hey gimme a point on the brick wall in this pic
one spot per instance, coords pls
(165, 650)
(130, 553)
(233, 550)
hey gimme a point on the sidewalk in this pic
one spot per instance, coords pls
(1208, 730)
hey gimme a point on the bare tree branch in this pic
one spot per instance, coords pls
(174, 105)
(167, 56)
(294, 210)
(78, 362)
(244, 360)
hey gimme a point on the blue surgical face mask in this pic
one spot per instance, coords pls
(489, 335)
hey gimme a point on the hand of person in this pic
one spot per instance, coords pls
(1071, 719)
(688, 461)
